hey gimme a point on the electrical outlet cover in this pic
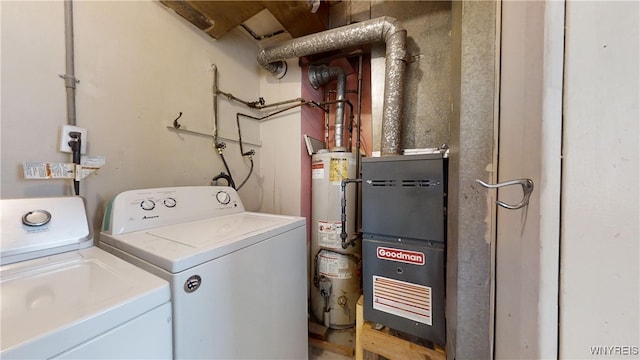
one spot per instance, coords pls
(65, 138)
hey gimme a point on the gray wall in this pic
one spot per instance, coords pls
(428, 75)
(472, 157)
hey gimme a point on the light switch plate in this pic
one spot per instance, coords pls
(65, 138)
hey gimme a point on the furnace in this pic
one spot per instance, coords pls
(404, 201)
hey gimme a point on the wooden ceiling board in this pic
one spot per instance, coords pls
(226, 15)
(189, 13)
(217, 17)
(297, 18)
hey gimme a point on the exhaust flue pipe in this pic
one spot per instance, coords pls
(383, 29)
(321, 75)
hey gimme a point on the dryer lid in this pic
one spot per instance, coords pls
(37, 227)
(51, 304)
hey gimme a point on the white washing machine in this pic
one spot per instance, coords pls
(63, 298)
(238, 278)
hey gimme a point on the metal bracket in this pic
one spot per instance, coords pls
(69, 80)
(527, 188)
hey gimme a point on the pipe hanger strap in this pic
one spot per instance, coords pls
(527, 188)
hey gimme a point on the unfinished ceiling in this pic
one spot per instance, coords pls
(217, 17)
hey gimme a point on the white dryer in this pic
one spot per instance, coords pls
(238, 279)
(63, 298)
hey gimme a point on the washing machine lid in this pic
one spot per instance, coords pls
(179, 247)
(54, 303)
(38, 227)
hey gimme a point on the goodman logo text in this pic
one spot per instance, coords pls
(405, 256)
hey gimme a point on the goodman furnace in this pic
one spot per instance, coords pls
(404, 243)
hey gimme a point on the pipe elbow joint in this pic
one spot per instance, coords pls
(391, 26)
(277, 68)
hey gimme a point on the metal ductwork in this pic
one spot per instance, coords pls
(321, 75)
(383, 29)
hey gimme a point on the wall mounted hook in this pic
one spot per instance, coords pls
(176, 125)
(527, 188)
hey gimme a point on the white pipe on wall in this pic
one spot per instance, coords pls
(69, 76)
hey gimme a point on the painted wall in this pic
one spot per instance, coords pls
(139, 65)
(527, 245)
(280, 179)
(600, 273)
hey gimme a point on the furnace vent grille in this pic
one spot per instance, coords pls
(382, 182)
(401, 298)
(404, 183)
(419, 183)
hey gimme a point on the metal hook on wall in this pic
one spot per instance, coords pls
(176, 125)
(527, 188)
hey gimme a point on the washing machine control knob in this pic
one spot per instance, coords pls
(147, 204)
(36, 218)
(170, 202)
(223, 197)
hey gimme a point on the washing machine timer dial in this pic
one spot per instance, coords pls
(36, 218)
(223, 197)
(170, 202)
(147, 204)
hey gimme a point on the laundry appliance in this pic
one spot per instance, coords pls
(63, 298)
(238, 278)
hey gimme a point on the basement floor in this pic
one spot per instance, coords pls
(345, 338)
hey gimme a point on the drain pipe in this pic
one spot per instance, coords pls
(322, 74)
(382, 29)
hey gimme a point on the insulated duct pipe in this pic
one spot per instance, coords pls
(382, 29)
(321, 75)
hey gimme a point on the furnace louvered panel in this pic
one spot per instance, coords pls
(401, 298)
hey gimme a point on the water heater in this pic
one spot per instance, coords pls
(335, 270)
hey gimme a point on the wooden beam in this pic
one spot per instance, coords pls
(216, 17)
(318, 331)
(226, 15)
(189, 13)
(394, 348)
(297, 18)
(335, 348)
(389, 346)
(359, 325)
